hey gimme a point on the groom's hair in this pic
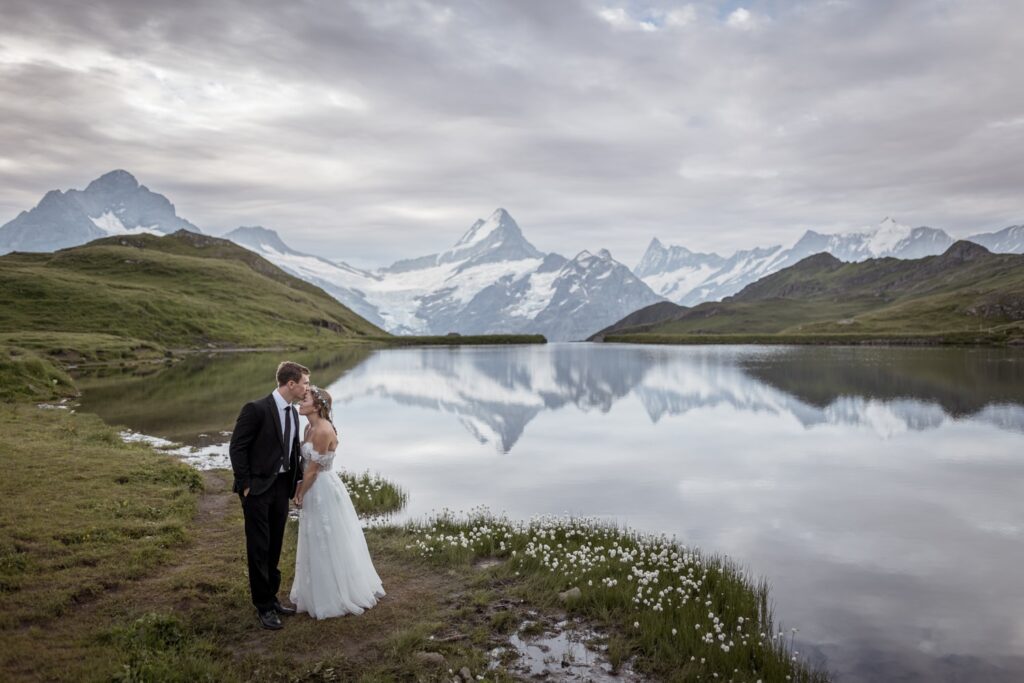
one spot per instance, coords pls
(288, 371)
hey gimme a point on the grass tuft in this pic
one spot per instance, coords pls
(27, 376)
(372, 495)
(160, 647)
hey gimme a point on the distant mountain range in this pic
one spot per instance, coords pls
(492, 280)
(965, 288)
(689, 278)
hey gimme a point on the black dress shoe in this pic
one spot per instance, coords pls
(281, 609)
(270, 620)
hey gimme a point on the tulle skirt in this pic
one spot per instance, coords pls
(333, 571)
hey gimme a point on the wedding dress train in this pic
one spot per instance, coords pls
(333, 571)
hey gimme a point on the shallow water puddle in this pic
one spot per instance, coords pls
(207, 457)
(567, 654)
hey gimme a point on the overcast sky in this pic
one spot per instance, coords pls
(381, 129)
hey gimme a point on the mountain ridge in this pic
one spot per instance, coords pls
(965, 286)
(185, 289)
(492, 279)
(711, 277)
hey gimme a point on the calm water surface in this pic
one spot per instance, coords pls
(878, 490)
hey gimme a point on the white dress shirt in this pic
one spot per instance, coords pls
(282, 414)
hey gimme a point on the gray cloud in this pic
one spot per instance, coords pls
(358, 126)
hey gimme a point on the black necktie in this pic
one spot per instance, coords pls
(287, 434)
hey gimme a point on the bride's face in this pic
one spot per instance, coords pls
(306, 406)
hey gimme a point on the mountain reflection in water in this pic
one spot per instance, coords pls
(496, 393)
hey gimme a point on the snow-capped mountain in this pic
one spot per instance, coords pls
(112, 204)
(495, 240)
(584, 290)
(428, 295)
(709, 277)
(491, 281)
(1007, 241)
(889, 238)
(340, 280)
(674, 271)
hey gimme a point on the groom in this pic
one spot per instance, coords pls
(265, 459)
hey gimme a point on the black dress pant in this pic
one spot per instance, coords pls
(266, 515)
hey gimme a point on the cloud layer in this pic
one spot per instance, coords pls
(377, 129)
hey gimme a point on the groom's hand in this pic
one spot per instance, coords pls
(245, 493)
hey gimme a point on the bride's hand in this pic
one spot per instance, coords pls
(298, 500)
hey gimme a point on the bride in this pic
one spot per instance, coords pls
(333, 571)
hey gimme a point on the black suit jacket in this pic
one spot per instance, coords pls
(257, 448)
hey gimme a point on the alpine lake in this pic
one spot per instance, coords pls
(880, 491)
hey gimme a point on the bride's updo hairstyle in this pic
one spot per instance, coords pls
(322, 402)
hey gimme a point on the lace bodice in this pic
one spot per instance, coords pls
(309, 454)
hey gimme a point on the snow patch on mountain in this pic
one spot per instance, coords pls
(539, 289)
(886, 237)
(111, 224)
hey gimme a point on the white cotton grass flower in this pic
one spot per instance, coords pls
(662, 584)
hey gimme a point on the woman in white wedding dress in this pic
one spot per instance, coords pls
(333, 571)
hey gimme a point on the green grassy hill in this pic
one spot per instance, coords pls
(966, 294)
(120, 295)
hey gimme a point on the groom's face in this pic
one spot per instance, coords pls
(298, 390)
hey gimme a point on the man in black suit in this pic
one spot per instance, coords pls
(265, 459)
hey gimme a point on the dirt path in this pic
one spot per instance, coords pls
(461, 613)
(205, 586)
(208, 585)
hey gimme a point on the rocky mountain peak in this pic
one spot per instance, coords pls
(113, 204)
(258, 237)
(115, 182)
(821, 261)
(498, 224)
(51, 198)
(962, 250)
(660, 259)
(489, 241)
(584, 255)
